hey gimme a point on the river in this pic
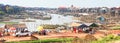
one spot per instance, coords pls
(56, 19)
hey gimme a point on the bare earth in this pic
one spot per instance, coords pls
(98, 35)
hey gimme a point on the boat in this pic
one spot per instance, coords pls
(46, 17)
(29, 20)
(43, 16)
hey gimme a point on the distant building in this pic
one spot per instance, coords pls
(104, 10)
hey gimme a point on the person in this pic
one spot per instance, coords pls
(44, 32)
(74, 29)
(80, 30)
(5, 26)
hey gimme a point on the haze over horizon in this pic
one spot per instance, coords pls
(66, 3)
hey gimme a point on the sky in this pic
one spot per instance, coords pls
(66, 3)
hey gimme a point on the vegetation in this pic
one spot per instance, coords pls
(67, 40)
(2, 13)
(107, 39)
(8, 9)
(46, 26)
(115, 27)
(8, 22)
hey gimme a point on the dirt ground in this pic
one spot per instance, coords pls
(98, 35)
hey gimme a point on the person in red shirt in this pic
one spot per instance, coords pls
(74, 29)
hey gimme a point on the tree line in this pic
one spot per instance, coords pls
(8, 9)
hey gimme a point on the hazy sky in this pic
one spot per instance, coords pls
(67, 3)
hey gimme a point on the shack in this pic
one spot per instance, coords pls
(83, 27)
(14, 28)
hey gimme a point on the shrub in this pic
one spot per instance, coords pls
(107, 39)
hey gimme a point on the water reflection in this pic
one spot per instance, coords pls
(56, 19)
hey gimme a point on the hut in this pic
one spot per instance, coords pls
(21, 27)
(83, 27)
(93, 25)
(93, 28)
(14, 28)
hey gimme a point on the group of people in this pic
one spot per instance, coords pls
(42, 32)
(86, 30)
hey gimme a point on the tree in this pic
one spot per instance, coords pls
(9, 9)
(2, 13)
(0, 9)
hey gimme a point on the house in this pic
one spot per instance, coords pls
(86, 27)
(83, 27)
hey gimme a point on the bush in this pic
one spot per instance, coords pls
(90, 37)
(107, 39)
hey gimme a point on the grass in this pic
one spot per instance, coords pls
(117, 27)
(8, 22)
(107, 39)
(67, 40)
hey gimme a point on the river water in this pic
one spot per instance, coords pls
(56, 19)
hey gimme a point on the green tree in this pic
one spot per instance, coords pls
(9, 9)
(0, 9)
(2, 13)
